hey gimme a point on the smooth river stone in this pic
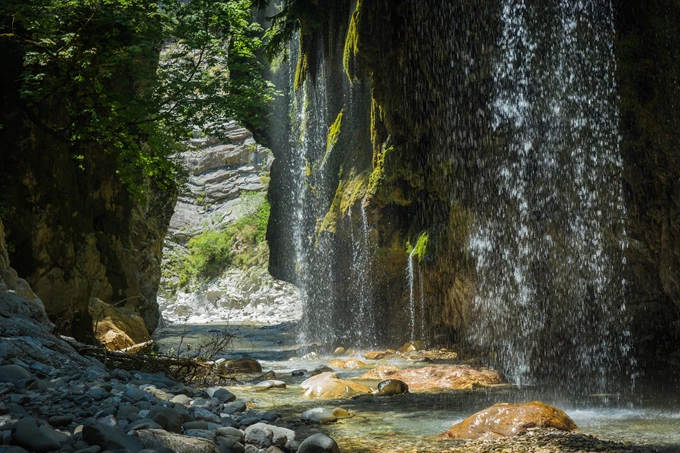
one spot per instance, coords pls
(327, 385)
(509, 420)
(437, 377)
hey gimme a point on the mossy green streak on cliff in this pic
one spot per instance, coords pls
(352, 45)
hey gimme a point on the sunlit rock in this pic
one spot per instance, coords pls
(375, 355)
(436, 377)
(509, 420)
(392, 387)
(380, 373)
(116, 328)
(328, 385)
(350, 364)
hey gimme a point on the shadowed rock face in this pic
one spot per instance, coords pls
(509, 420)
(73, 229)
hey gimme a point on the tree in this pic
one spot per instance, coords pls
(136, 78)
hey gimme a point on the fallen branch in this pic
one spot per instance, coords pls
(181, 369)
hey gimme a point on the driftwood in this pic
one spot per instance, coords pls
(186, 370)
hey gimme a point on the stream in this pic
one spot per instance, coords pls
(647, 416)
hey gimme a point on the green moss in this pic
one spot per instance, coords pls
(420, 249)
(378, 174)
(350, 191)
(352, 45)
(302, 67)
(333, 137)
(334, 132)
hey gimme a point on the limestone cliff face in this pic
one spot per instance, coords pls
(73, 230)
(227, 183)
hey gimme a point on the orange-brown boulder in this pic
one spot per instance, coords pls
(380, 373)
(375, 355)
(350, 364)
(508, 420)
(115, 328)
(438, 377)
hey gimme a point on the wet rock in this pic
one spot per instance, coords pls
(310, 356)
(143, 423)
(246, 365)
(16, 450)
(234, 407)
(181, 399)
(280, 436)
(263, 377)
(109, 438)
(229, 446)
(437, 377)
(29, 434)
(375, 355)
(202, 433)
(338, 351)
(392, 387)
(319, 416)
(298, 372)
(97, 393)
(350, 364)
(222, 394)
(318, 443)
(156, 393)
(61, 420)
(267, 385)
(196, 424)
(204, 414)
(158, 438)
(232, 433)
(12, 373)
(273, 449)
(328, 385)
(170, 419)
(320, 369)
(135, 394)
(411, 346)
(259, 435)
(508, 420)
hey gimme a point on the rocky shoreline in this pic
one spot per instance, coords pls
(54, 400)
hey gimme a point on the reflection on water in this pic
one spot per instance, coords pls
(649, 415)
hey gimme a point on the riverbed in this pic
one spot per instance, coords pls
(646, 416)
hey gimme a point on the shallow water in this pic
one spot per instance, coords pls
(647, 416)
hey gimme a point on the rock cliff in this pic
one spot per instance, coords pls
(225, 190)
(73, 229)
(405, 147)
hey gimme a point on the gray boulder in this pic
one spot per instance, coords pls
(29, 434)
(319, 416)
(158, 438)
(318, 443)
(109, 438)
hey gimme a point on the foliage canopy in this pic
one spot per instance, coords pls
(136, 78)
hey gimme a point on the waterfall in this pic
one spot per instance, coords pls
(550, 230)
(411, 297)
